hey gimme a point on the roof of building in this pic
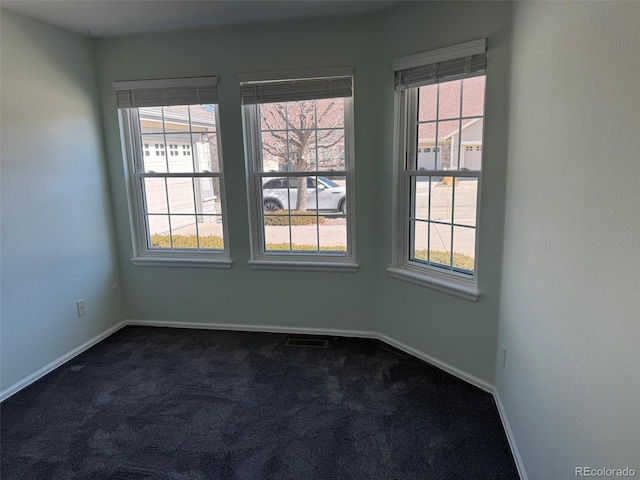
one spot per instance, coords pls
(200, 114)
(444, 99)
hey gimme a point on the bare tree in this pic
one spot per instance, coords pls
(295, 134)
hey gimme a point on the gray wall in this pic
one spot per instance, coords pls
(571, 279)
(240, 295)
(455, 331)
(57, 240)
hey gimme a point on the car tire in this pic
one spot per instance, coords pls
(272, 206)
(343, 206)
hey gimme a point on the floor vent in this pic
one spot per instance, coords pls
(307, 342)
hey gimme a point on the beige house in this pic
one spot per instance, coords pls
(439, 142)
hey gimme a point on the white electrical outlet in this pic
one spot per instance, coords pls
(504, 356)
(115, 291)
(81, 308)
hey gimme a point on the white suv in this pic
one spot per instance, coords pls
(331, 196)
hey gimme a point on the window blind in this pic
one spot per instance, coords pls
(166, 92)
(296, 90)
(451, 63)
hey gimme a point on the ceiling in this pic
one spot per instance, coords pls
(108, 18)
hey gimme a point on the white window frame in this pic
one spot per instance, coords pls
(265, 260)
(134, 158)
(405, 146)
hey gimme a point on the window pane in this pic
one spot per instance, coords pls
(158, 230)
(471, 154)
(277, 233)
(473, 96)
(441, 199)
(176, 119)
(466, 201)
(330, 113)
(300, 145)
(426, 150)
(428, 102)
(447, 154)
(204, 150)
(464, 248)
(203, 118)
(179, 157)
(331, 194)
(155, 195)
(274, 152)
(301, 115)
(150, 120)
(184, 231)
(155, 160)
(421, 198)
(449, 100)
(181, 197)
(211, 232)
(276, 195)
(420, 240)
(333, 233)
(304, 232)
(440, 244)
(273, 116)
(208, 196)
(331, 154)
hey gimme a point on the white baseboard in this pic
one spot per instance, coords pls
(456, 372)
(324, 331)
(254, 328)
(512, 440)
(25, 382)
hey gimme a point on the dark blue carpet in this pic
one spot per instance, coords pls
(156, 403)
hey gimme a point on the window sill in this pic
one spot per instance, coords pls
(182, 262)
(309, 266)
(452, 286)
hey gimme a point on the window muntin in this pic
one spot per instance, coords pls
(179, 198)
(300, 162)
(440, 115)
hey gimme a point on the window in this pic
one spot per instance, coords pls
(440, 117)
(177, 200)
(299, 151)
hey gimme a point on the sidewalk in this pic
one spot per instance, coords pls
(333, 232)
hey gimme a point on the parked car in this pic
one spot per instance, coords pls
(279, 193)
